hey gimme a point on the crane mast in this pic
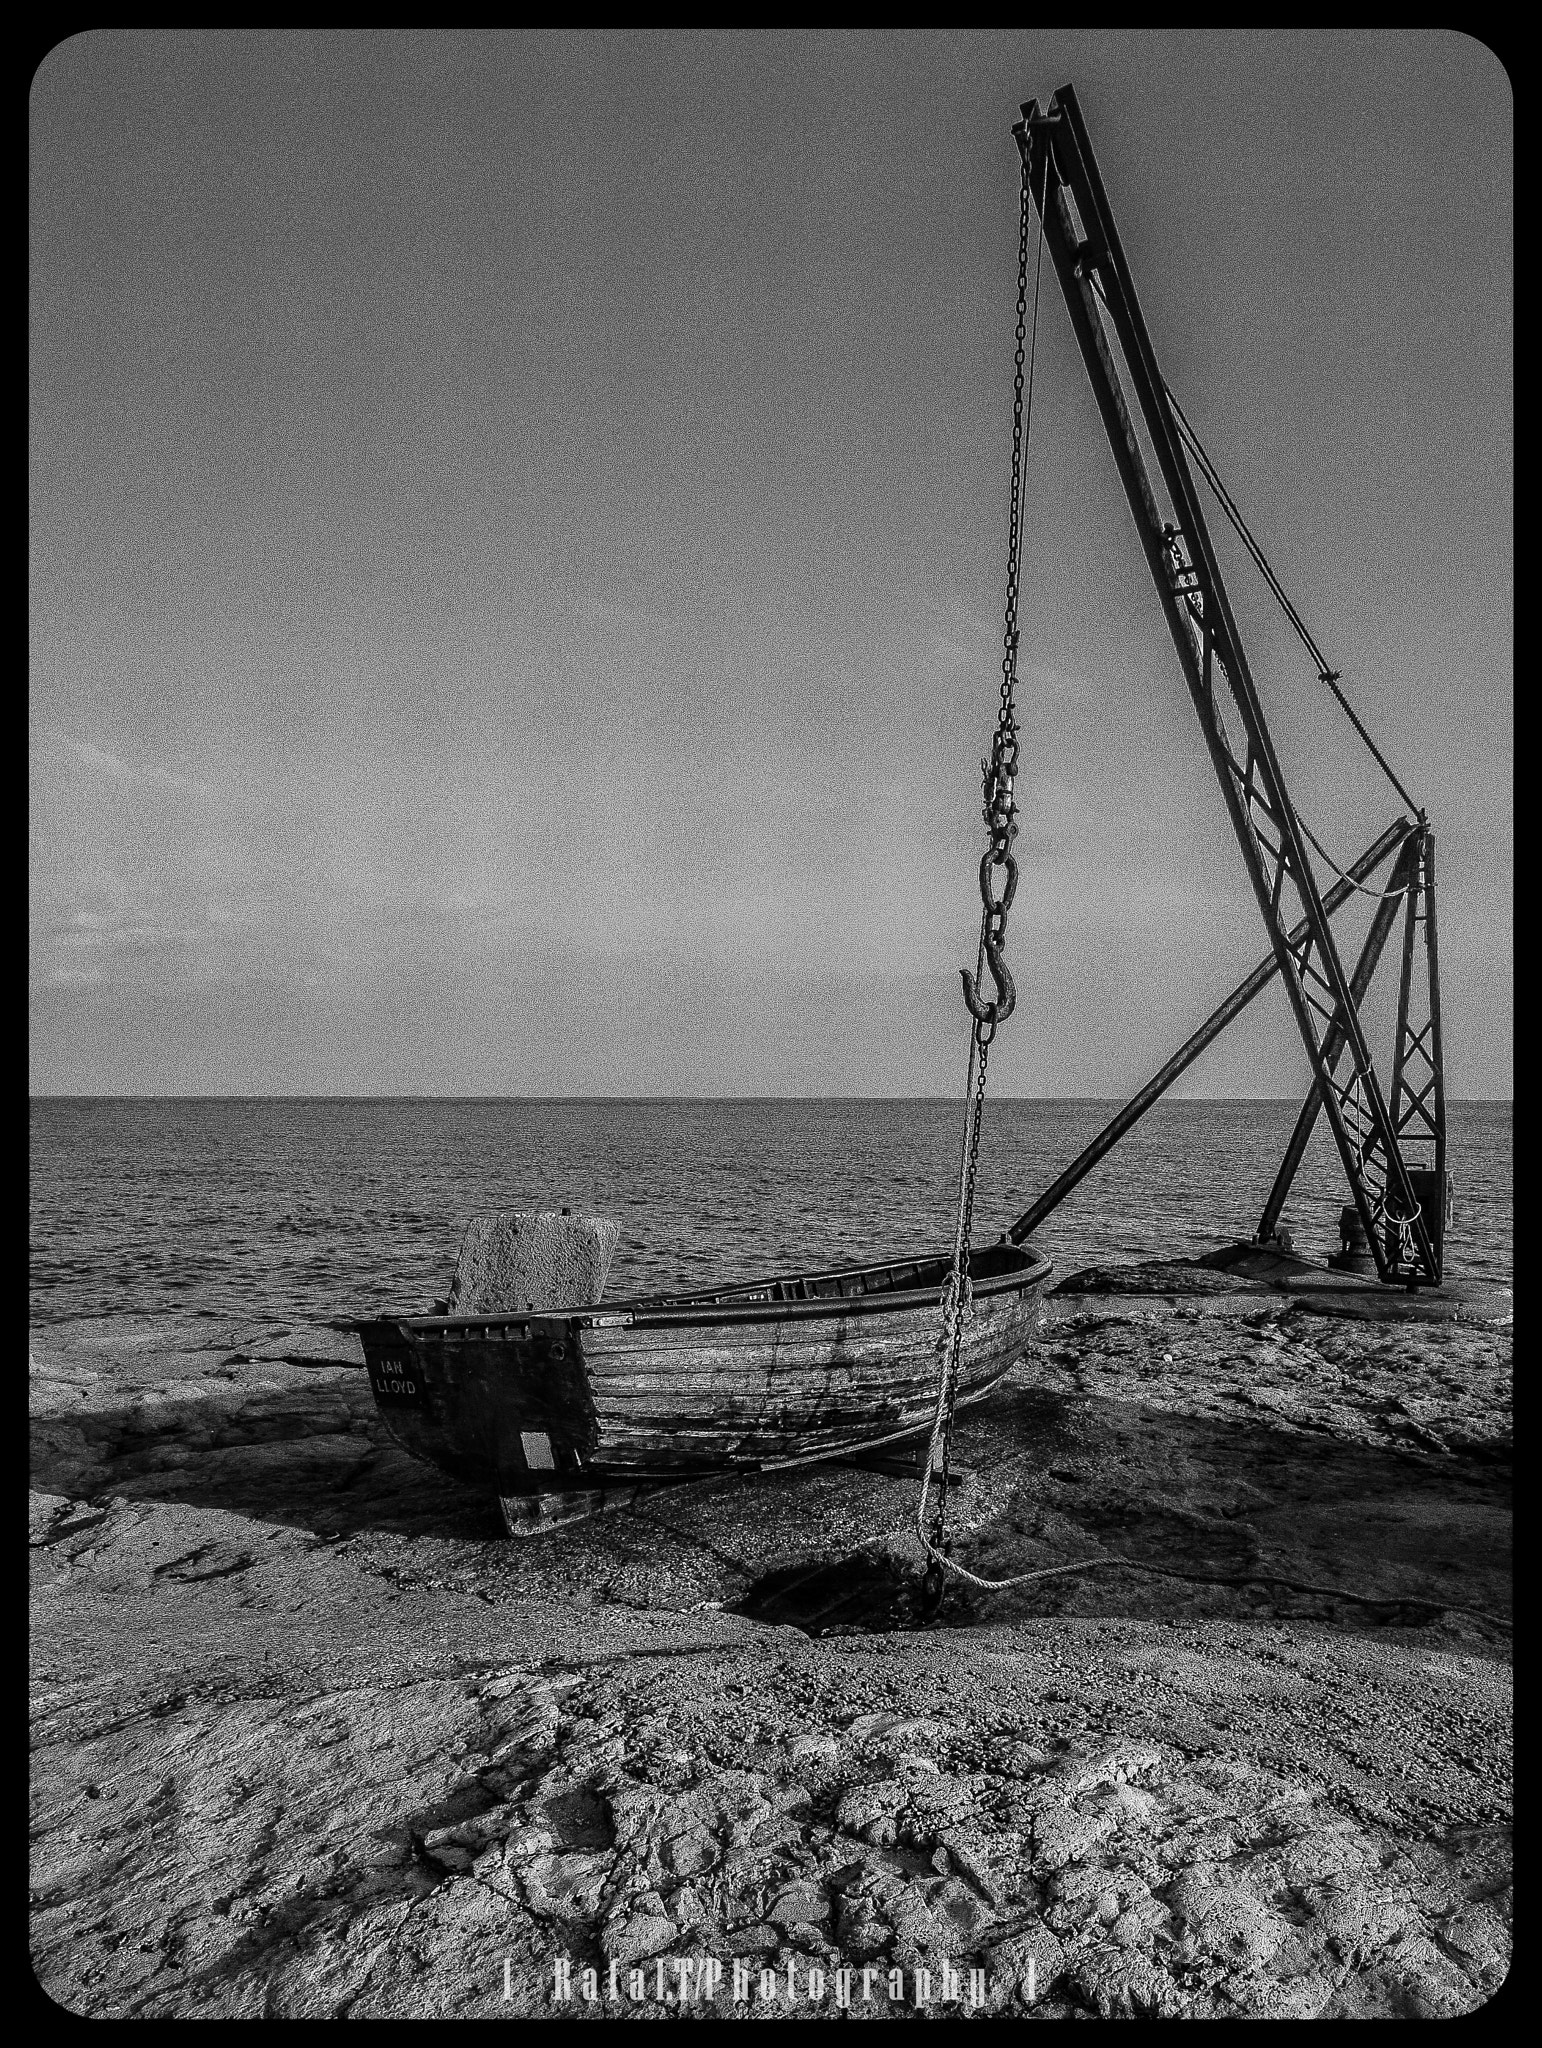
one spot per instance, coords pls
(1393, 1155)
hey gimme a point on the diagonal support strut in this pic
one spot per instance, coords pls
(1395, 836)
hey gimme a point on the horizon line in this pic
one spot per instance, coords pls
(139, 1095)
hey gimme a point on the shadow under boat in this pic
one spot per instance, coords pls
(563, 1412)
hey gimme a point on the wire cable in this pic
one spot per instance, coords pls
(1325, 672)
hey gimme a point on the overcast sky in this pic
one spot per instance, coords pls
(519, 526)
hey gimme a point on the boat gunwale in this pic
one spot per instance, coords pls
(664, 1312)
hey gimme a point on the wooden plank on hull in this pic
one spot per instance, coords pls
(623, 1444)
(824, 1338)
(909, 1372)
(677, 1361)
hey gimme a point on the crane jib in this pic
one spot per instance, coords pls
(1377, 1139)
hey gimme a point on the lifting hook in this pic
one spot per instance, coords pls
(1006, 994)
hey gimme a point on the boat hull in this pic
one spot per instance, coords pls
(780, 1372)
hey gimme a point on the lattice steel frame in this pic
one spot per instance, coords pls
(1084, 247)
(1418, 1107)
(1418, 1071)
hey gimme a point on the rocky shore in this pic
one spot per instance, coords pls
(313, 1738)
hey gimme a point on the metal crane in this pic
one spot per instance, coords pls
(1392, 1147)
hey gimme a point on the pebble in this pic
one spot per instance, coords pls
(638, 1936)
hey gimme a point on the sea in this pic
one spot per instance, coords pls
(315, 1211)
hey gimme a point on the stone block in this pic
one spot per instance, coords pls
(514, 1259)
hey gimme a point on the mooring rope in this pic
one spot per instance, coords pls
(1245, 1578)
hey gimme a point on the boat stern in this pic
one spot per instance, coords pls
(502, 1403)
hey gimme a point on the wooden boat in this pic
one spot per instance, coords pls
(773, 1373)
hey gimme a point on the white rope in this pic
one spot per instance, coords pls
(1377, 895)
(957, 1302)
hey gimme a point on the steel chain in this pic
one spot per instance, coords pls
(999, 772)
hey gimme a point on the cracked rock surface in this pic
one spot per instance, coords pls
(313, 1739)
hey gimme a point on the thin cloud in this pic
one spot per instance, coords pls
(53, 740)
